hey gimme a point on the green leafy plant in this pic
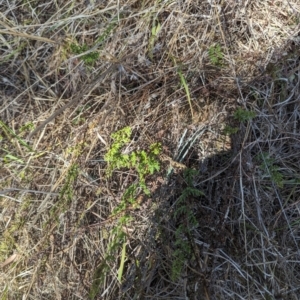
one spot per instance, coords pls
(144, 163)
(184, 216)
(244, 115)
(228, 130)
(215, 55)
(270, 169)
(89, 58)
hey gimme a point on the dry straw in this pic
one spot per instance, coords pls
(74, 72)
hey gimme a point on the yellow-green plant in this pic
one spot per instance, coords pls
(156, 27)
(144, 162)
(186, 88)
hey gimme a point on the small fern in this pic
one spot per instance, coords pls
(229, 130)
(270, 169)
(215, 55)
(244, 115)
(183, 248)
(89, 58)
(144, 163)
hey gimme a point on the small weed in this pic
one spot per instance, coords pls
(112, 25)
(16, 140)
(184, 84)
(243, 115)
(156, 27)
(13, 53)
(79, 119)
(215, 55)
(267, 165)
(97, 279)
(11, 134)
(67, 190)
(184, 215)
(76, 150)
(26, 128)
(144, 163)
(65, 195)
(89, 58)
(228, 130)
(118, 237)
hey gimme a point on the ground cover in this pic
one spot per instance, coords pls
(149, 149)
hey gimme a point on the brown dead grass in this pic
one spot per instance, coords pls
(56, 202)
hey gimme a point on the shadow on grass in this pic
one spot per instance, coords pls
(232, 227)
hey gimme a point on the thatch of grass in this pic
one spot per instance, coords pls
(216, 83)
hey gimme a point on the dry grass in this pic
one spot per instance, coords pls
(175, 72)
